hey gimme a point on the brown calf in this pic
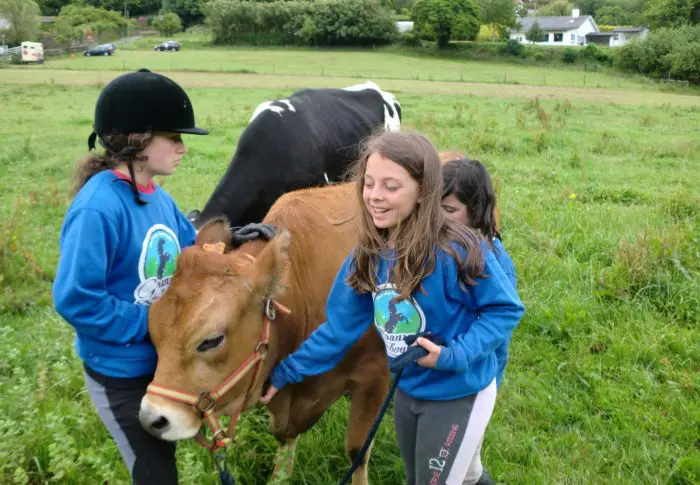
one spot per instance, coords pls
(210, 319)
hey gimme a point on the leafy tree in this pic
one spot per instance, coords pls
(590, 7)
(347, 22)
(558, 8)
(612, 15)
(190, 11)
(51, 7)
(76, 21)
(135, 7)
(445, 20)
(168, 23)
(535, 33)
(23, 16)
(685, 62)
(671, 13)
(500, 13)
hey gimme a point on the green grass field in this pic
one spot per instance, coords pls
(600, 203)
(342, 63)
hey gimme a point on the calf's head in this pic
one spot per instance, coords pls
(207, 324)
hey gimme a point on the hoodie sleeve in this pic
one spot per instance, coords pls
(185, 230)
(349, 314)
(87, 247)
(499, 309)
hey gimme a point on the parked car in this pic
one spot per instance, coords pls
(168, 45)
(101, 50)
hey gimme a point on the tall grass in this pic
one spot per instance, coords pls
(599, 205)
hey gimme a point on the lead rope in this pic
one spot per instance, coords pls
(397, 366)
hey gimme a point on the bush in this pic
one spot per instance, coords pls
(445, 20)
(409, 39)
(569, 55)
(665, 53)
(328, 22)
(167, 24)
(348, 22)
(514, 48)
(593, 53)
(75, 22)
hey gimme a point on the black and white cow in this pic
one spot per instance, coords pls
(308, 139)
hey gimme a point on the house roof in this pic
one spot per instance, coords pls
(552, 24)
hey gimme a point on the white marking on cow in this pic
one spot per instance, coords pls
(268, 106)
(391, 123)
(325, 174)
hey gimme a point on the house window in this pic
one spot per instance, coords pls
(558, 37)
(573, 38)
(616, 37)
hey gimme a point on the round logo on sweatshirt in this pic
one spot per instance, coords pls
(396, 319)
(159, 254)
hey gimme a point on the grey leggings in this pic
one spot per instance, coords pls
(150, 461)
(440, 441)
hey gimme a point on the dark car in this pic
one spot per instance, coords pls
(168, 45)
(101, 50)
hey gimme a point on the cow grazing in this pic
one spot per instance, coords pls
(211, 318)
(306, 140)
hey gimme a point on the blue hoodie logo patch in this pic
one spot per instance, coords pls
(396, 319)
(159, 254)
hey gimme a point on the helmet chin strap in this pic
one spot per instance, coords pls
(134, 189)
(91, 141)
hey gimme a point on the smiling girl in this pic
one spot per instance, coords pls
(414, 271)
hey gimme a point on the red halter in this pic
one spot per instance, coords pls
(205, 403)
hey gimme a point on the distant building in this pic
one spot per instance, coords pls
(619, 36)
(571, 30)
(404, 26)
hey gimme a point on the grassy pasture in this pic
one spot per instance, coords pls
(343, 63)
(600, 203)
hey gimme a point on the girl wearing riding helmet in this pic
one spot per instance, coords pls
(468, 198)
(414, 271)
(118, 246)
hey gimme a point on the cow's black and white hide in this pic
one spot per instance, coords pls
(308, 139)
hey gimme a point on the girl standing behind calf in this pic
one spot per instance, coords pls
(414, 271)
(119, 243)
(469, 199)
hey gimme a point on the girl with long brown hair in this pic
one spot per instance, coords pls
(415, 271)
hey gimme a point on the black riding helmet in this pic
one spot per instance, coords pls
(142, 101)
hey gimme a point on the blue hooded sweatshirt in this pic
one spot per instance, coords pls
(116, 258)
(473, 320)
(508, 268)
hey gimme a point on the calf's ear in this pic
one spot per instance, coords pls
(269, 272)
(214, 231)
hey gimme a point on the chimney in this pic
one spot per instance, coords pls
(575, 12)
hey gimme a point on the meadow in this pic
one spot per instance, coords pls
(598, 189)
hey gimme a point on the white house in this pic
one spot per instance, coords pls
(619, 36)
(559, 30)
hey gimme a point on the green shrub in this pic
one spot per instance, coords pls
(328, 22)
(514, 48)
(569, 55)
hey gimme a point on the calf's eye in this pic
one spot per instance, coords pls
(210, 343)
